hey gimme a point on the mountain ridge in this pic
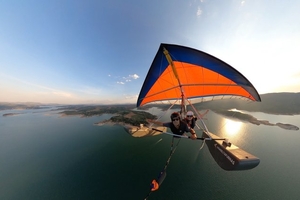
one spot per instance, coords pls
(285, 103)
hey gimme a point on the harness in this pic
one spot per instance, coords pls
(180, 130)
(191, 123)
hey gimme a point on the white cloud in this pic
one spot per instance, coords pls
(134, 76)
(125, 79)
(129, 78)
(130, 98)
(242, 3)
(62, 94)
(199, 12)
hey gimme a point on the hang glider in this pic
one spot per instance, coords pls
(185, 76)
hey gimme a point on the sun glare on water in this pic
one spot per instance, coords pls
(232, 127)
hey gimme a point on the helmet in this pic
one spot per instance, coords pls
(175, 114)
(190, 113)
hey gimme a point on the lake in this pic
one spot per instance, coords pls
(45, 156)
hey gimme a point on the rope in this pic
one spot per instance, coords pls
(162, 174)
(171, 152)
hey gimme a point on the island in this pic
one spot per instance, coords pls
(287, 126)
(20, 106)
(135, 122)
(122, 114)
(10, 114)
(249, 118)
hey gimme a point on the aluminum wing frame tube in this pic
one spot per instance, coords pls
(183, 98)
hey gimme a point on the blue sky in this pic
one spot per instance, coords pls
(100, 51)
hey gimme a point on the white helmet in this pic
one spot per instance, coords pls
(190, 113)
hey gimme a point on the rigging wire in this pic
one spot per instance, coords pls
(164, 113)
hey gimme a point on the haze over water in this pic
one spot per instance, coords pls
(44, 156)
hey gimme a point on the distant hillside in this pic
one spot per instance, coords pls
(272, 103)
(21, 105)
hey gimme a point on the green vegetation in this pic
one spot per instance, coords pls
(134, 118)
(123, 113)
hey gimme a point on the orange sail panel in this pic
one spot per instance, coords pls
(200, 74)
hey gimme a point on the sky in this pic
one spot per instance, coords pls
(99, 52)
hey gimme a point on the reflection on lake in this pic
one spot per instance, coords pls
(232, 127)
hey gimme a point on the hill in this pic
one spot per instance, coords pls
(19, 105)
(272, 103)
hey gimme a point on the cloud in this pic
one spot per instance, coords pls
(135, 96)
(45, 88)
(125, 79)
(29, 91)
(119, 99)
(199, 12)
(134, 76)
(130, 98)
(62, 94)
(129, 78)
(242, 3)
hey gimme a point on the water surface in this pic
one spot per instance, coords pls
(44, 156)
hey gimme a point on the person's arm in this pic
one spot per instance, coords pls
(193, 132)
(155, 122)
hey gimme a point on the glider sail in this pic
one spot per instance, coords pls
(178, 70)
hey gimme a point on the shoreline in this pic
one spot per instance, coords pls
(280, 125)
(244, 117)
(10, 114)
(108, 122)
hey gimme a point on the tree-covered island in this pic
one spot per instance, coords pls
(249, 118)
(122, 114)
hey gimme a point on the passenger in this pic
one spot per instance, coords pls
(190, 119)
(177, 126)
